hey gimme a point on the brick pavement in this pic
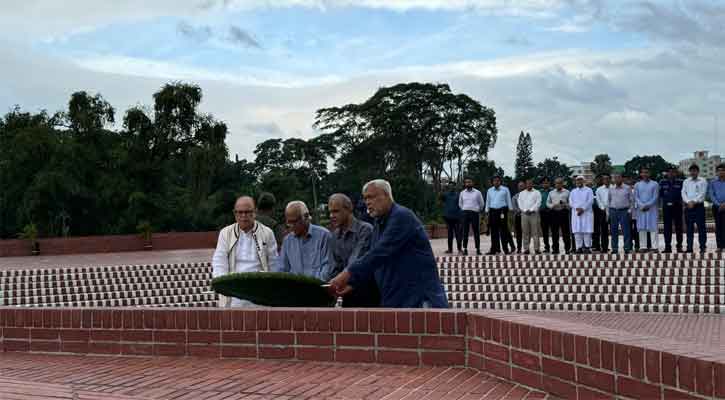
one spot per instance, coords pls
(34, 376)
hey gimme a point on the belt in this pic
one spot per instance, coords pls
(621, 209)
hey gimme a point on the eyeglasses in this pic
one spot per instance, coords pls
(243, 212)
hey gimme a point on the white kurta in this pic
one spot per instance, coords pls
(582, 198)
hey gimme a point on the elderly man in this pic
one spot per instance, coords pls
(558, 203)
(306, 249)
(350, 241)
(582, 216)
(646, 198)
(245, 246)
(400, 259)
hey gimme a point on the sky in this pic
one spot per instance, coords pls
(623, 77)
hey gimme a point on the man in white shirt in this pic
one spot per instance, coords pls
(693, 196)
(471, 203)
(529, 204)
(601, 216)
(582, 217)
(245, 246)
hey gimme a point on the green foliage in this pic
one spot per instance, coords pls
(524, 167)
(552, 168)
(482, 171)
(602, 164)
(275, 289)
(29, 232)
(656, 164)
(145, 230)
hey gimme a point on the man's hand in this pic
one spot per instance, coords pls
(722, 207)
(339, 286)
(690, 204)
(645, 209)
(579, 211)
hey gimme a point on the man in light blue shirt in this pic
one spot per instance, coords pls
(716, 192)
(306, 250)
(498, 204)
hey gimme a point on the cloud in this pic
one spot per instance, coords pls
(268, 129)
(199, 34)
(517, 40)
(242, 37)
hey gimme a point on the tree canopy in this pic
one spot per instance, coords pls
(656, 164)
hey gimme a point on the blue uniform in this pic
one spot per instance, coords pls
(402, 263)
(671, 195)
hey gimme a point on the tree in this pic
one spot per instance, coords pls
(602, 164)
(482, 171)
(524, 159)
(656, 164)
(418, 128)
(552, 168)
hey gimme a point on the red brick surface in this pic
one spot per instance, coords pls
(579, 361)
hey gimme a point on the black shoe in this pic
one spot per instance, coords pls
(702, 252)
(614, 252)
(478, 252)
(492, 253)
(448, 252)
(526, 252)
(537, 252)
(667, 250)
(465, 252)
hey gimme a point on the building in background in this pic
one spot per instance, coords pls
(583, 169)
(707, 163)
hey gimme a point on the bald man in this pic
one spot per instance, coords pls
(244, 246)
(306, 249)
(350, 241)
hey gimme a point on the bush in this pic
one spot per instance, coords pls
(275, 289)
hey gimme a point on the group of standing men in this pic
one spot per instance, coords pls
(585, 218)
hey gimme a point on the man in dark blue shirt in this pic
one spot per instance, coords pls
(400, 259)
(452, 215)
(671, 195)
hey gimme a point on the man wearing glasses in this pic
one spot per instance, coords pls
(245, 246)
(306, 249)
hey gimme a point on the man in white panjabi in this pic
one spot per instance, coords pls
(582, 216)
(245, 246)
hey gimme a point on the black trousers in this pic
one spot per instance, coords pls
(546, 225)
(672, 213)
(719, 226)
(472, 218)
(498, 226)
(560, 223)
(454, 231)
(600, 237)
(696, 216)
(519, 232)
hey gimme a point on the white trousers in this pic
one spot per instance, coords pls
(643, 240)
(583, 240)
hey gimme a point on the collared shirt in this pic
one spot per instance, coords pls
(671, 191)
(602, 197)
(694, 190)
(529, 200)
(544, 197)
(498, 198)
(621, 197)
(515, 204)
(309, 255)
(717, 192)
(471, 200)
(451, 209)
(349, 245)
(558, 200)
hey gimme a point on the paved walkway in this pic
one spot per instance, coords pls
(28, 376)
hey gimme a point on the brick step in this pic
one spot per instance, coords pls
(642, 280)
(118, 295)
(52, 272)
(75, 286)
(587, 264)
(582, 257)
(587, 307)
(589, 298)
(586, 288)
(28, 296)
(193, 304)
(593, 272)
(65, 277)
(159, 301)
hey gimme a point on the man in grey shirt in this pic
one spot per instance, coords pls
(350, 241)
(621, 201)
(306, 250)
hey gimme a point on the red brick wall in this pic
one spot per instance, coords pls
(110, 244)
(570, 364)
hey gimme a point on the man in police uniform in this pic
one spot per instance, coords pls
(671, 195)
